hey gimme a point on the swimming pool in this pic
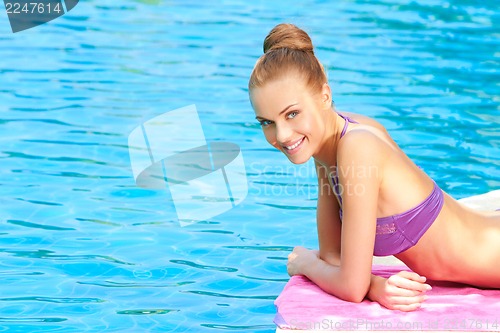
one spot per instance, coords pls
(84, 249)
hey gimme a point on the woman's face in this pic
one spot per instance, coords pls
(290, 116)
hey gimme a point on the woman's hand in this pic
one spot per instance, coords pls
(299, 259)
(404, 291)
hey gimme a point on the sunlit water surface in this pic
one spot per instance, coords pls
(84, 249)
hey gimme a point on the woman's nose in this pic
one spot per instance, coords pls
(283, 134)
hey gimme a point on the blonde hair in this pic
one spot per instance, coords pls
(288, 48)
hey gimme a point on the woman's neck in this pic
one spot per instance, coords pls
(326, 154)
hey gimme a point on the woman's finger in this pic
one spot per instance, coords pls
(412, 276)
(405, 283)
(407, 308)
(407, 303)
(402, 300)
(394, 291)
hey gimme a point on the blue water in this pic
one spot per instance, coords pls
(82, 248)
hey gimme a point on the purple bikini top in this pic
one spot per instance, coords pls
(397, 233)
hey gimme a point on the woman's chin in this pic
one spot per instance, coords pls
(298, 159)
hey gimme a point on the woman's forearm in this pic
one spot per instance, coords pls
(376, 288)
(329, 278)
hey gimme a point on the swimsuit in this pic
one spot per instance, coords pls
(397, 233)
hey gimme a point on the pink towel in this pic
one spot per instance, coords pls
(450, 307)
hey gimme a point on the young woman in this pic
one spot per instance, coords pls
(373, 200)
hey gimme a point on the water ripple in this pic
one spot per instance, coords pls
(262, 248)
(206, 267)
(38, 226)
(32, 320)
(56, 159)
(287, 207)
(146, 311)
(52, 299)
(221, 295)
(112, 284)
(48, 254)
(39, 202)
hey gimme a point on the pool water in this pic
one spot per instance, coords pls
(84, 249)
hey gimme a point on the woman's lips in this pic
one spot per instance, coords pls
(292, 149)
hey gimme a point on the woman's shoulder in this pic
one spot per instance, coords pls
(365, 120)
(361, 158)
(362, 142)
(367, 134)
(366, 143)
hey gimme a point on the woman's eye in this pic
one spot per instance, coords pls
(265, 122)
(292, 115)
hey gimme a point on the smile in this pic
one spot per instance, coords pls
(295, 146)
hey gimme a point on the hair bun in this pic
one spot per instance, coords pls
(288, 36)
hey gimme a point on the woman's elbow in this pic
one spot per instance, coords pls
(355, 297)
(355, 294)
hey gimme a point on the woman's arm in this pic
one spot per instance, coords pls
(324, 268)
(404, 291)
(327, 217)
(360, 163)
(350, 281)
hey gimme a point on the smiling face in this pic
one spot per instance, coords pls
(291, 116)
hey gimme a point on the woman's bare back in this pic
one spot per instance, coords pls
(462, 245)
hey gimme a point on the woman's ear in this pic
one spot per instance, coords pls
(326, 95)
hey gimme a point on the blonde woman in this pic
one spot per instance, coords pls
(373, 200)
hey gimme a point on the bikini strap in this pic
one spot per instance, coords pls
(347, 121)
(335, 177)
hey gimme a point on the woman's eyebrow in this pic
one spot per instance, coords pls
(289, 106)
(284, 110)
